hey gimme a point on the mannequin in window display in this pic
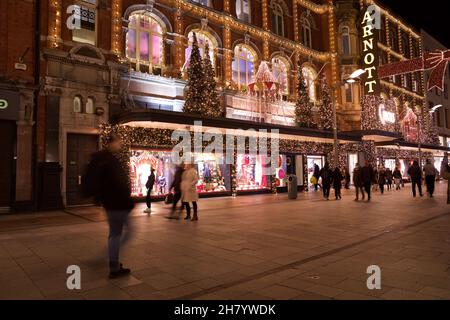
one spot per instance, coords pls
(162, 183)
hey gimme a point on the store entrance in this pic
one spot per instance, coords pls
(80, 147)
(7, 141)
(312, 161)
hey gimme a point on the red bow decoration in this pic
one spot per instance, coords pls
(437, 61)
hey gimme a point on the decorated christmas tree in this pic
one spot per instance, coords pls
(326, 107)
(195, 100)
(303, 107)
(213, 107)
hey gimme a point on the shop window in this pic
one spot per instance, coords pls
(77, 106)
(213, 176)
(277, 18)
(251, 172)
(280, 69)
(243, 66)
(346, 43)
(243, 10)
(203, 38)
(90, 106)
(144, 43)
(87, 33)
(310, 75)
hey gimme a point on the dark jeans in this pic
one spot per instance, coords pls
(148, 198)
(337, 192)
(326, 191)
(368, 188)
(358, 190)
(381, 187)
(176, 199)
(117, 220)
(188, 208)
(430, 180)
(417, 183)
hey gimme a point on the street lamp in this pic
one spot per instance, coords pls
(352, 79)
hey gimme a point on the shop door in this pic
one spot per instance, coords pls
(7, 141)
(352, 161)
(80, 147)
(312, 160)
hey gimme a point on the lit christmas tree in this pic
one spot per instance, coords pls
(326, 107)
(195, 101)
(303, 107)
(213, 107)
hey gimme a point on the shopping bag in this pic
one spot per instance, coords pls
(313, 180)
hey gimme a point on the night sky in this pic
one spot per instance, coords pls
(431, 15)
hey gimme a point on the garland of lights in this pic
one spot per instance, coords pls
(370, 105)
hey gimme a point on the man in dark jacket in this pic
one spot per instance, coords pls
(367, 176)
(149, 185)
(176, 187)
(316, 174)
(327, 178)
(357, 182)
(107, 180)
(416, 178)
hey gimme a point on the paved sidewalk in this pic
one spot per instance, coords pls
(249, 247)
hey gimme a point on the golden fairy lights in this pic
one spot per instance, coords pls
(116, 26)
(54, 27)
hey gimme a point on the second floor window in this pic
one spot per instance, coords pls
(310, 76)
(346, 45)
(277, 18)
(203, 38)
(243, 10)
(306, 32)
(281, 72)
(206, 3)
(145, 42)
(243, 66)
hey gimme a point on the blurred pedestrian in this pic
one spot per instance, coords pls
(176, 188)
(381, 178)
(389, 178)
(337, 183)
(327, 177)
(149, 185)
(107, 180)
(397, 178)
(416, 178)
(367, 176)
(357, 182)
(430, 177)
(347, 178)
(189, 193)
(316, 174)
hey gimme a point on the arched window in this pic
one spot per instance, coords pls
(145, 42)
(243, 65)
(306, 32)
(243, 10)
(77, 108)
(203, 38)
(280, 69)
(90, 106)
(310, 76)
(277, 18)
(346, 43)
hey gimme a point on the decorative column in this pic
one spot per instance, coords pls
(116, 27)
(227, 54)
(226, 6)
(54, 25)
(265, 15)
(179, 46)
(295, 17)
(266, 50)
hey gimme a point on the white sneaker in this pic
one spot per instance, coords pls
(148, 210)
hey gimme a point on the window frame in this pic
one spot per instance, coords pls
(275, 67)
(240, 5)
(278, 17)
(236, 61)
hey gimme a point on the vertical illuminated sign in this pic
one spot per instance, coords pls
(369, 46)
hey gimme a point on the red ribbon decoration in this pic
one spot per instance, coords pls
(437, 61)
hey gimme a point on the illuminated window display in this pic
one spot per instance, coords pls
(250, 173)
(213, 177)
(281, 172)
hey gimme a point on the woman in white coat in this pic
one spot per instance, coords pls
(189, 193)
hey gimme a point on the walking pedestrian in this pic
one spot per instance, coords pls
(445, 173)
(189, 193)
(347, 178)
(107, 180)
(327, 177)
(397, 178)
(337, 183)
(149, 185)
(176, 188)
(367, 177)
(381, 178)
(316, 175)
(430, 177)
(375, 180)
(389, 178)
(357, 182)
(416, 178)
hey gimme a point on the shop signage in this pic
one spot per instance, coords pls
(386, 117)
(9, 105)
(369, 47)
